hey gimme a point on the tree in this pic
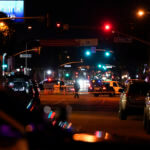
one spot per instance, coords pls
(6, 38)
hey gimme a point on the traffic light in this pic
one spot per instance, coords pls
(67, 75)
(99, 66)
(38, 50)
(88, 53)
(58, 24)
(107, 53)
(107, 27)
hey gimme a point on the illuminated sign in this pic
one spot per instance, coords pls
(13, 8)
(67, 66)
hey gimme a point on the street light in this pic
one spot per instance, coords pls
(3, 27)
(49, 72)
(140, 13)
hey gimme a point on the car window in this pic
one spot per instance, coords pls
(114, 84)
(106, 83)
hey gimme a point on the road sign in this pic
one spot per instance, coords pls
(87, 42)
(25, 55)
(122, 40)
(93, 49)
(69, 42)
(67, 66)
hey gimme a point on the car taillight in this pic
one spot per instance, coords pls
(33, 91)
(90, 87)
(126, 94)
(72, 89)
(11, 85)
(38, 90)
(104, 88)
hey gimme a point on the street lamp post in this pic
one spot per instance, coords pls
(3, 64)
(26, 60)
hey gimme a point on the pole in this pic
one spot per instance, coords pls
(26, 60)
(133, 37)
(3, 63)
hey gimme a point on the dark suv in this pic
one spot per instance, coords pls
(97, 87)
(132, 100)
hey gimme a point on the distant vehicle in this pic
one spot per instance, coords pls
(132, 100)
(23, 85)
(49, 84)
(97, 87)
(115, 84)
(18, 83)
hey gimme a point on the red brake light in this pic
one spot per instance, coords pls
(38, 89)
(49, 79)
(11, 85)
(90, 87)
(104, 88)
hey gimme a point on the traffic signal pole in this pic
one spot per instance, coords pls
(103, 50)
(30, 50)
(133, 37)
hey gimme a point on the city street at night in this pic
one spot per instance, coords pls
(90, 114)
(74, 72)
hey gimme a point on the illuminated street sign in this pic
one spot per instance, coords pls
(13, 8)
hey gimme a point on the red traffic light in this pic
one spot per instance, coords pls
(107, 27)
(58, 25)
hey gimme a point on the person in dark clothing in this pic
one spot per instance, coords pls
(76, 88)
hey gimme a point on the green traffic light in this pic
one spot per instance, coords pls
(99, 66)
(67, 75)
(88, 53)
(107, 54)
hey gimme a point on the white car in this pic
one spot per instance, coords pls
(115, 85)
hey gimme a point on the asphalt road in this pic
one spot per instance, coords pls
(90, 114)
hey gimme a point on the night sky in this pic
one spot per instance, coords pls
(93, 13)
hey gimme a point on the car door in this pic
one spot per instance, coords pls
(116, 87)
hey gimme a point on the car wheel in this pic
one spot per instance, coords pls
(122, 114)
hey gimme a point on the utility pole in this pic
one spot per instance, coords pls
(26, 59)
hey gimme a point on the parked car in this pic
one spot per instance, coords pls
(97, 87)
(49, 84)
(132, 100)
(22, 85)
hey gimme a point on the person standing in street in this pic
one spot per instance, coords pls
(76, 88)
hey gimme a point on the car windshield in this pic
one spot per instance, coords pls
(74, 71)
